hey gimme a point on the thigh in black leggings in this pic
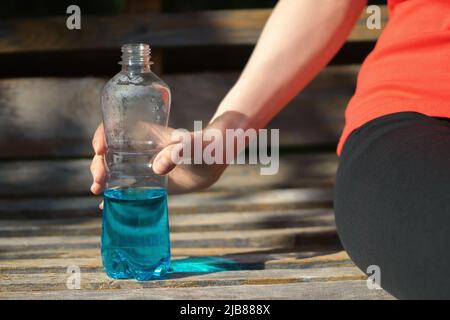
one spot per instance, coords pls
(392, 203)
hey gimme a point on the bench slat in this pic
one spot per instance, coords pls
(178, 223)
(51, 253)
(56, 117)
(99, 281)
(355, 289)
(201, 202)
(286, 237)
(255, 259)
(73, 177)
(222, 27)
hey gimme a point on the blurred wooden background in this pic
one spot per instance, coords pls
(51, 77)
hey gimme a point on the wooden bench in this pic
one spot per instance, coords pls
(247, 237)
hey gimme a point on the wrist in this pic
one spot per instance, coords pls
(230, 119)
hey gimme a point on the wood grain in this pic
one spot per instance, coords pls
(345, 290)
(243, 260)
(99, 281)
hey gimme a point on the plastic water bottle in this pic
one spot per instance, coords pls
(135, 230)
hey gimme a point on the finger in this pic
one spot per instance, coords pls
(97, 188)
(98, 172)
(98, 169)
(164, 161)
(99, 141)
(100, 206)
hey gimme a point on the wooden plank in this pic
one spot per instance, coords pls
(254, 259)
(355, 289)
(178, 223)
(272, 257)
(201, 202)
(73, 177)
(286, 237)
(99, 281)
(56, 117)
(142, 6)
(222, 27)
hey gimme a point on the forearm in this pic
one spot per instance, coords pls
(298, 40)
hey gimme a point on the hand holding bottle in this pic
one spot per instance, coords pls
(182, 178)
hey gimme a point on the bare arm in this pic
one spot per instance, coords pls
(298, 40)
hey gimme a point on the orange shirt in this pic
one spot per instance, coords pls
(409, 69)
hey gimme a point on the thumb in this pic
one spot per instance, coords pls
(165, 161)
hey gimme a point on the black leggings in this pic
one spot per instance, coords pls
(392, 203)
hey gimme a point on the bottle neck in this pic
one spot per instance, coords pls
(136, 58)
(136, 69)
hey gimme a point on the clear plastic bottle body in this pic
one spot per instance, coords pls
(135, 233)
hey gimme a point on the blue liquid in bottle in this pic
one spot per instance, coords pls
(135, 233)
